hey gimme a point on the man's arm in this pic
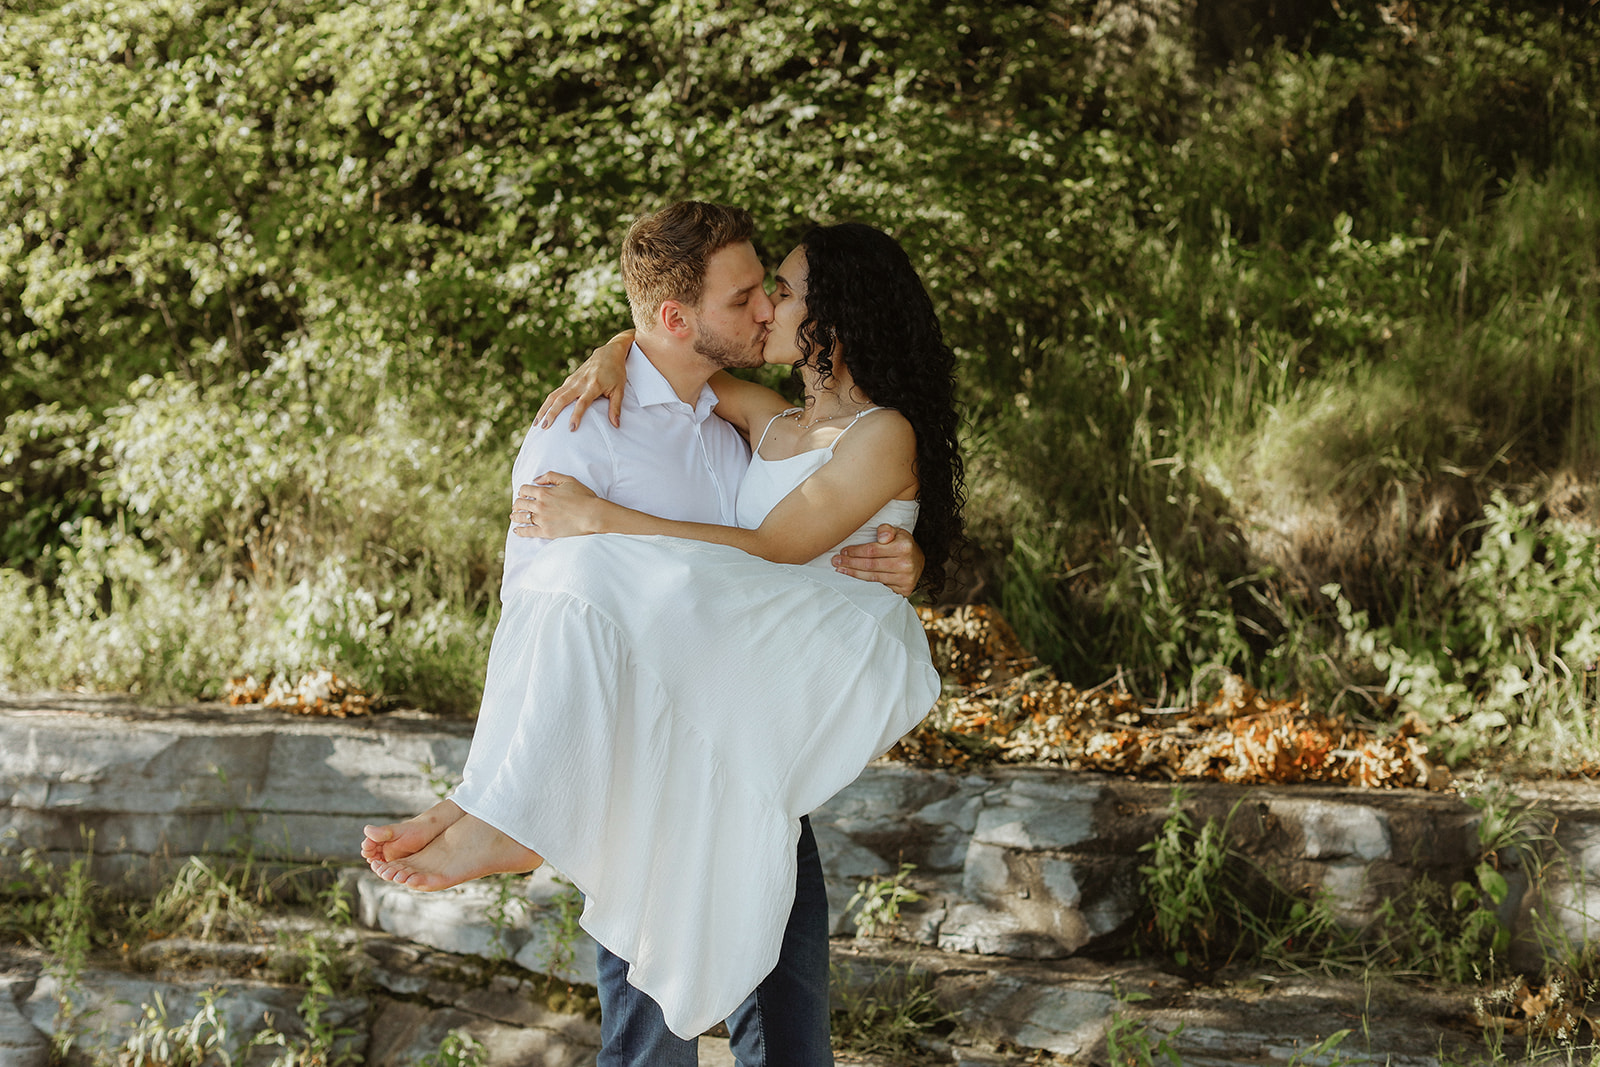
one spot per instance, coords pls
(585, 449)
(895, 559)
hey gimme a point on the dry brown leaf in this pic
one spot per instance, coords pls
(1007, 708)
(316, 693)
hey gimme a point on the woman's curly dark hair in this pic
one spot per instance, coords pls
(864, 295)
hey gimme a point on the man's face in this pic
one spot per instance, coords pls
(730, 326)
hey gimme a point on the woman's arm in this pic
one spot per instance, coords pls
(603, 374)
(746, 406)
(867, 471)
(740, 403)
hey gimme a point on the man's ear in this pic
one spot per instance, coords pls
(676, 319)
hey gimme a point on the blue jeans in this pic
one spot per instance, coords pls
(784, 1023)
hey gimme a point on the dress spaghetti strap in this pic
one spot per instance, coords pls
(775, 418)
(864, 411)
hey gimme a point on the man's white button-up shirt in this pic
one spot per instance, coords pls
(668, 459)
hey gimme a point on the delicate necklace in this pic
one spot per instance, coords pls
(800, 414)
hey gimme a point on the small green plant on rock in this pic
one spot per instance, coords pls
(64, 913)
(880, 899)
(568, 908)
(440, 780)
(204, 903)
(1187, 885)
(506, 906)
(571, 998)
(58, 910)
(190, 1043)
(458, 1049)
(1457, 933)
(1202, 897)
(326, 1043)
(891, 1015)
(335, 904)
(315, 958)
(1324, 1053)
(1130, 1043)
(1209, 906)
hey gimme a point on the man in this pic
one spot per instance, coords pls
(696, 290)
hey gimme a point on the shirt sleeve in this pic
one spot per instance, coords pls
(585, 454)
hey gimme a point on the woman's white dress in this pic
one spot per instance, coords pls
(659, 713)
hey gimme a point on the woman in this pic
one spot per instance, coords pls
(671, 797)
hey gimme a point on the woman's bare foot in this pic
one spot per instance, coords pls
(396, 841)
(468, 848)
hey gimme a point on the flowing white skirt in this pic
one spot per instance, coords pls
(657, 716)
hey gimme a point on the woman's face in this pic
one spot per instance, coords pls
(788, 309)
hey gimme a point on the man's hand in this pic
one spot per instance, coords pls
(895, 559)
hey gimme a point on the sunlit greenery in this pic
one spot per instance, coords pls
(1244, 308)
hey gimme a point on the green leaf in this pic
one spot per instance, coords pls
(1493, 883)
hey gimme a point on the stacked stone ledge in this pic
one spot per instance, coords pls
(1028, 862)
(1021, 863)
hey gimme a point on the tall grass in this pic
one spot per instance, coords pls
(1372, 309)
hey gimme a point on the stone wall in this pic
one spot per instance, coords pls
(1040, 863)
(1024, 862)
(154, 786)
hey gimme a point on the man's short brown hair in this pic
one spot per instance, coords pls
(664, 255)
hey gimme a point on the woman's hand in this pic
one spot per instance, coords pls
(557, 505)
(603, 374)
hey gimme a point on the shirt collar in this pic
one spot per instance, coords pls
(650, 387)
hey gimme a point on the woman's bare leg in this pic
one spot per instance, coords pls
(468, 848)
(396, 841)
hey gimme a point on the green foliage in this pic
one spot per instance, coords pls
(1208, 905)
(1129, 1042)
(880, 899)
(1308, 344)
(204, 903)
(192, 1042)
(440, 781)
(1460, 934)
(281, 280)
(506, 906)
(568, 908)
(1192, 887)
(326, 1043)
(890, 1015)
(335, 904)
(458, 1049)
(315, 960)
(1507, 649)
(60, 911)
(66, 914)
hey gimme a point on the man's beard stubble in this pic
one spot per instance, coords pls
(722, 352)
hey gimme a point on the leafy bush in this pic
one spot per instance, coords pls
(1206, 905)
(1507, 651)
(281, 283)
